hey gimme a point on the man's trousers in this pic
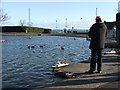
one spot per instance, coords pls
(96, 57)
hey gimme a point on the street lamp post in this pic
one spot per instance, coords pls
(29, 17)
(56, 24)
(66, 23)
(96, 11)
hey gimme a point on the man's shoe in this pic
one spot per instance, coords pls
(99, 71)
(90, 72)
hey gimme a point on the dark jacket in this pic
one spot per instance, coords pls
(97, 34)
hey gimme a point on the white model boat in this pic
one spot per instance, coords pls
(61, 64)
(111, 52)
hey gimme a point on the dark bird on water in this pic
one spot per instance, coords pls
(41, 46)
(62, 48)
(31, 46)
(74, 38)
(28, 46)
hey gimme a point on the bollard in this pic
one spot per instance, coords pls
(118, 29)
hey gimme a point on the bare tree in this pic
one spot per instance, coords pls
(30, 24)
(22, 22)
(3, 16)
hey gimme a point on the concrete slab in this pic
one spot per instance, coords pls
(110, 74)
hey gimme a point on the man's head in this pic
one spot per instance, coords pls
(98, 19)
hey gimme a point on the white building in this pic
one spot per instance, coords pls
(111, 34)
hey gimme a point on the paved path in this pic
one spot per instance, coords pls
(109, 77)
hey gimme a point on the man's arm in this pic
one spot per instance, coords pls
(90, 31)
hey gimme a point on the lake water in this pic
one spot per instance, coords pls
(24, 67)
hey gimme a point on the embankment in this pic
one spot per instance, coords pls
(24, 30)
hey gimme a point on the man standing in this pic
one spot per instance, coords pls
(97, 34)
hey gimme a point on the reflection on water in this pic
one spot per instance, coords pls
(31, 67)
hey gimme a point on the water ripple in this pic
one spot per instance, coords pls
(31, 67)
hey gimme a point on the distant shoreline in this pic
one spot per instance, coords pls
(17, 34)
(84, 35)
